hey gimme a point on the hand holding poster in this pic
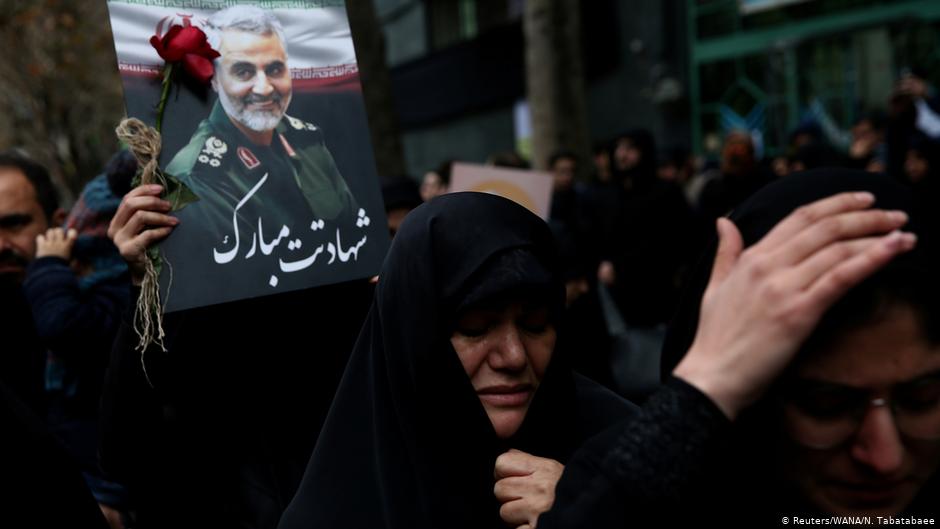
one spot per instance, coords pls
(275, 148)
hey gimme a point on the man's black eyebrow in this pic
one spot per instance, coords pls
(15, 219)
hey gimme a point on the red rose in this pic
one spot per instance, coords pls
(189, 46)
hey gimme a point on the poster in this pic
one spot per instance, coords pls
(275, 147)
(531, 189)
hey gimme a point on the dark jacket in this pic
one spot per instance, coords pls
(680, 461)
(216, 430)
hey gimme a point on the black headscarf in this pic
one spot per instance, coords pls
(643, 173)
(765, 209)
(407, 443)
(746, 469)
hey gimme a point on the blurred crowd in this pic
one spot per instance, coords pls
(632, 227)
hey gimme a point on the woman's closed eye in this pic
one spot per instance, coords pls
(535, 322)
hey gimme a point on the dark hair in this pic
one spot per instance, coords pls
(676, 155)
(38, 176)
(400, 192)
(443, 171)
(899, 285)
(875, 117)
(562, 154)
(811, 129)
(601, 147)
(511, 159)
(812, 156)
(121, 170)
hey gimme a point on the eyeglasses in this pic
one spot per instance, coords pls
(823, 415)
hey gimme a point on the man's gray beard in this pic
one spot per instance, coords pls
(258, 120)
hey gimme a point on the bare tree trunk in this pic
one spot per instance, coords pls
(60, 94)
(376, 87)
(555, 80)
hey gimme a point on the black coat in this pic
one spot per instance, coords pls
(680, 461)
(221, 437)
(40, 485)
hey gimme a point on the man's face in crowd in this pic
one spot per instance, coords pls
(737, 154)
(21, 220)
(252, 79)
(563, 173)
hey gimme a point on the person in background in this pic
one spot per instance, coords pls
(400, 195)
(29, 206)
(675, 165)
(867, 149)
(600, 156)
(77, 289)
(435, 183)
(655, 234)
(39, 482)
(921, 162)
(740, 176)
(568, 201)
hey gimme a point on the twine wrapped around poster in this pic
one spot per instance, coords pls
(145, 143)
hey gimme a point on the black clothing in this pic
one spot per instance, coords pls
(654, 240)
(39, 483)
(407, 444)
(650, 236)
(722, 194)
(77, 327)
(679, 461)
(23, 357)
(647, 462)
(221, 437)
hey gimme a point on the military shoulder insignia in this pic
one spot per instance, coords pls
(287, 146)
(247, 157)
(300, 125)
(212, 152)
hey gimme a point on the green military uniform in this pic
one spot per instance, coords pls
(250, 198)
(220, 165)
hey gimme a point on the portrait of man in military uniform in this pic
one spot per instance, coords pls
(274, 213)
(249, 133)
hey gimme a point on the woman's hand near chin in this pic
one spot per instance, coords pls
(525, 486)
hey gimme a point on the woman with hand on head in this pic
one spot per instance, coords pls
(804, 367)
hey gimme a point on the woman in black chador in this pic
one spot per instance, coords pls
(454, 366)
